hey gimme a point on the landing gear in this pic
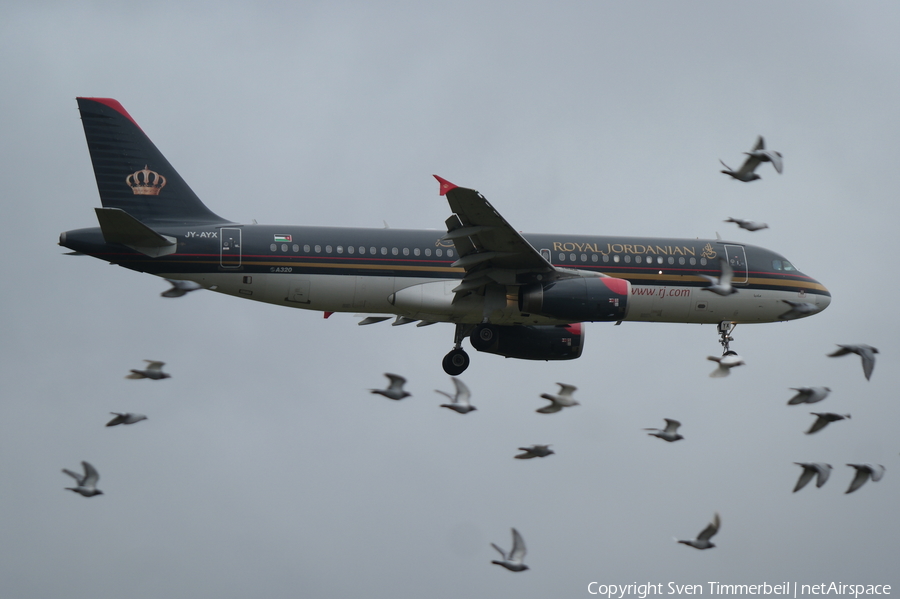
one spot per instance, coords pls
(483, 337)
(725, 329)
(457, 360)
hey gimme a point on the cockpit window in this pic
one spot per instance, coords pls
(783, 265)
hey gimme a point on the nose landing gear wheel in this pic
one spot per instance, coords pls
(456, 362)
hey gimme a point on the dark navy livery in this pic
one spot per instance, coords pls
(516, 295)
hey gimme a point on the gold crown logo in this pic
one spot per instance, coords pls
(145, 182)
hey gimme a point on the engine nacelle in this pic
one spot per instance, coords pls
(591, 299)
(542, 342)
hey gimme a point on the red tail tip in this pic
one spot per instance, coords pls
(445, 185)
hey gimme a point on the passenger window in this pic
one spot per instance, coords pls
(638, 259)
(671, 260)
(350, 249)
(681, 260)
(306, 248)
(318, 249)
(340, 249)
(450, 253)
(693, 261)
(562, 257)
(384, 251)
(362, 250)
(406, 251)
(394, 251)
(439, 252)
(702, 261)
(572, 257)
(296, 248)
(616, 258)
(606, 258)
(327, 249)
(417, 251)
(594, 258)
(273, 247)
(627, 259)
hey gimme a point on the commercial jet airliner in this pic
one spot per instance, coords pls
(517, 295)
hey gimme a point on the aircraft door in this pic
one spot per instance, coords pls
(230, 247)
(737, 258)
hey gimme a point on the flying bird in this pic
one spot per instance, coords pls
(866, 352)
(755, 156)
(818, 469)
(726, 363)
(670, 433)
(459, 402)
(180, 288)
(797, 310)
(87, 483)
(749, 225)
(808, 395)
(722, 284)
(153, 371)
(516, 554)
(824, 419)
(126, 418)
(395, 389)
(535, 451)
(702, 540)
(863, 473)
(558, 402)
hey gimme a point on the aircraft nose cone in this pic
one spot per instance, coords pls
(823, 299)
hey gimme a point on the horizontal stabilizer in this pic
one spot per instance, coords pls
(120, 227)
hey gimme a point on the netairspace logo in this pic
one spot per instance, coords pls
(641, 591)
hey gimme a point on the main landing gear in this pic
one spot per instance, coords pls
(456, 362)
(725, 329)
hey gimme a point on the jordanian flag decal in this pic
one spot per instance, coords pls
(282, 238)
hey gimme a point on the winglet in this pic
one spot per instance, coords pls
(445, 185)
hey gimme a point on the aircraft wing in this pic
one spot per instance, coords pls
(489, 249)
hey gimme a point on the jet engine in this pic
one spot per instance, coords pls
(590, 299)
(542, 342)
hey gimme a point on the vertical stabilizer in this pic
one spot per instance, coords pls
(132, 175)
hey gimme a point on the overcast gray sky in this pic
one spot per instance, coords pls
(267, 469)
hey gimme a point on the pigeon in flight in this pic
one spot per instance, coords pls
(516, 554)
(702, 540)
(749, 225)
(808, 395)
(726, 363)
(395, 389)
(797, 310)
(153, 371)
(460, 401)
(535, 451)
(818, 469)
(180, 288)
(558, 402)
(866, 352)
(754, 157)
(722, 284)
(863, 473)
(87, 484)
(670, 433)
(823, 419)
(126, 418)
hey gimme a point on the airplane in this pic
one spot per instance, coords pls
(511, 294)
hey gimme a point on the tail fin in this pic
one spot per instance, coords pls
(132, 175)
